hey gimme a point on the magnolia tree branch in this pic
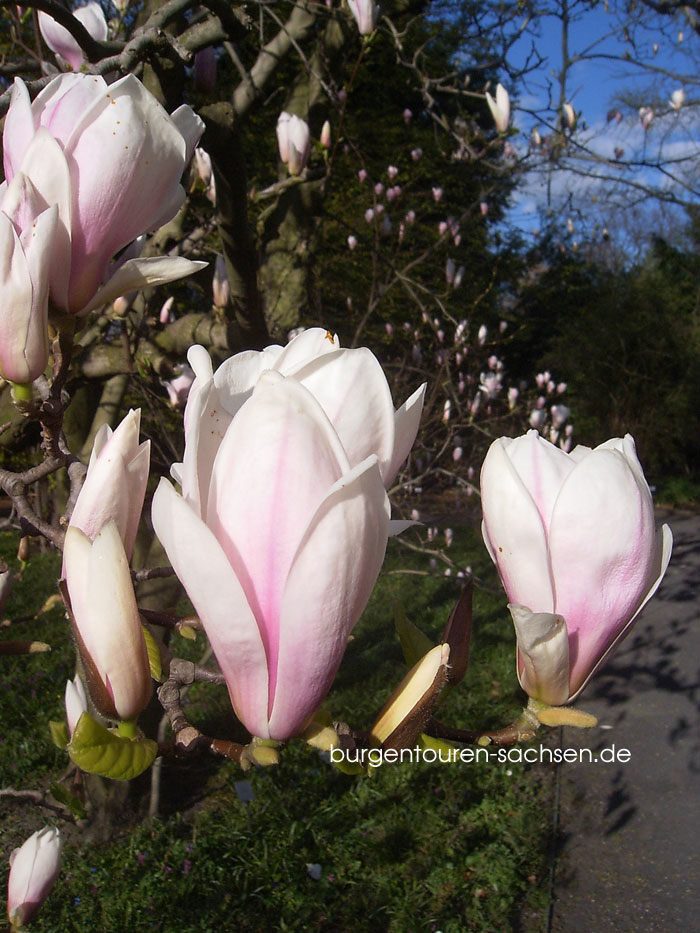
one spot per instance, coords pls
(93, 49)
(188, 738)
(295, 30)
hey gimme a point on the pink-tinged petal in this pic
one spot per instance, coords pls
(190, 127)
(93, 19)
(60, 41)
(601, 550)
(17, 291)
(235, 379)
(514, 531)
(47, 169)
(543, 654)
(120, 195)
(38, 240)
(34, 868)
(662, 556)
(206, 422)
(326, 592)
(167, 208)
(19, 129)
(397, 526)
(542, 469)
(115, 485)
(283, 135)
(407, 422)
(278, 459)
(75, 700)
(21, 202)
(306, 346)
(351, 387)
(64, 103)
(107, 618)
(140, 273)
(220, 603)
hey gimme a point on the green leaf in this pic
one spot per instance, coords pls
(349, 767)
(414, 643)
(59, 733)
(64, 796)
(438, 745)
(99, 751)
(153, 654)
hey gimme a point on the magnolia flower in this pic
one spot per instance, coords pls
(33, 870)
(490, 384)
(569, 116)
(352, 241)
(646, 116)
(294, 141)
(407, 115)
(110, 158)
(75, 702)
(178, 389)
(362, 175)
(27, 237)
(326, 135)
(392, 171)
(366, 13)
(278, 605)
(677, 98)
(365, 420)
(106, 622)
(500, 108)
(201, 160)
(62, 43)
(573, 538)
(559, 415)
(537, 418)
(220, 289)
(98, 544)
(165, 315)
(115, 484)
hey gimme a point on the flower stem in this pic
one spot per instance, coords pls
(127, 728)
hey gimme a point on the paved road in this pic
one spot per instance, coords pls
(630, 832)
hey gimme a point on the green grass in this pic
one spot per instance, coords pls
(414, 847)
(679, 492)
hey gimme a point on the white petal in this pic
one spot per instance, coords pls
(138, 273)
(543, 647)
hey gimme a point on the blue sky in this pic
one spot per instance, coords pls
(596, 86)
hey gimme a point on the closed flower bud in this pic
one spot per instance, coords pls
(574, 541)
(294, 142)
(34, 868)
(500, 108)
